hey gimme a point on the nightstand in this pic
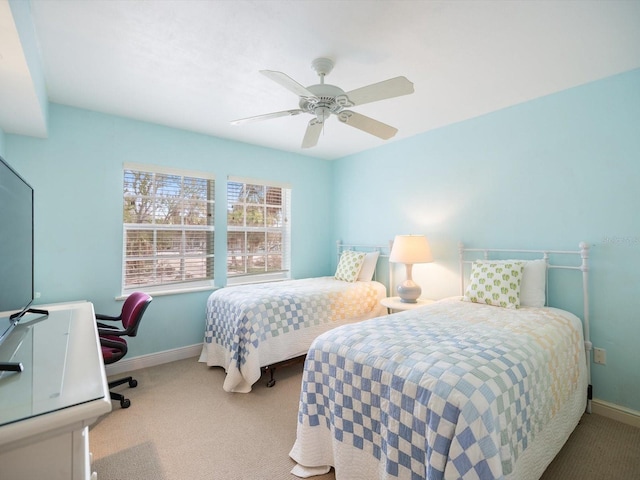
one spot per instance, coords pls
(394, 304)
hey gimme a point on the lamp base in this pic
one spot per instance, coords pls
(409, 291)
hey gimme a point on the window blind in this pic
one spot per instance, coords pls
(258, 230)
(168, 220)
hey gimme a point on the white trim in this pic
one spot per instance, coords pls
(168, 170)
(616, 412)
(173, 289)
(153, 359)
(250, 278)
(256, 181)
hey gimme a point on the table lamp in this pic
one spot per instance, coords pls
(410, 249)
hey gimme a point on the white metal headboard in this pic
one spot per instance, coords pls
(582, 252)
(384, 251)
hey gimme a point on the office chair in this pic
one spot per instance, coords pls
(114, 346)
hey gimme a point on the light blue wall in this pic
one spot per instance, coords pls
(77, 176)
(544, 174)
(1, 142)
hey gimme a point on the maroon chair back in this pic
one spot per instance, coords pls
(132, 311)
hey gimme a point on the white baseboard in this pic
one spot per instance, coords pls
(616, 412)
(153, 359)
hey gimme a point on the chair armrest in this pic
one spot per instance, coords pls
(105, 326)
(100, 316)
(110, 331)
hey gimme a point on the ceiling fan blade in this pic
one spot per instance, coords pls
(312, 134)
(394, 87)
(266, 116)
(287, 82)
(367, 124)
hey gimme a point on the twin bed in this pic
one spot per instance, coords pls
(485, 386)
(488, 385)
(253, 328)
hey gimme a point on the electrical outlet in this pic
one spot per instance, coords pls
(37, 295)
(600, 356)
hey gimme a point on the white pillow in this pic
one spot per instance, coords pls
(495, 283)
(533, 290)
(368, 267)
(349, 265)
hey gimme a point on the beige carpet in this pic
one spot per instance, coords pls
(182, 425)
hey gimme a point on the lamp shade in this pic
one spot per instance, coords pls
(410, 249)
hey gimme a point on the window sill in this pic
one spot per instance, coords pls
(249, 279)
(256, 281)
(163, 291)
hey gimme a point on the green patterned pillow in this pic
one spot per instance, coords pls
(495, 283)
(349, 265)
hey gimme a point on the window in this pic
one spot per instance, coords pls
(258, 230)
(168, 229)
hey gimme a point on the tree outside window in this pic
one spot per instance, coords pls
(168, 229)
(257, 229)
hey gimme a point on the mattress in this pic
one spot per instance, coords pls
(450, 390)
(253, 326)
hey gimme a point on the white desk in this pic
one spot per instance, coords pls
(46, 410)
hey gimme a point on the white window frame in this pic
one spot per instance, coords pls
(284, 230)
(169, 287)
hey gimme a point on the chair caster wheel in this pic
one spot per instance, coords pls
(133, 383)
(271, 383)
(125, 403)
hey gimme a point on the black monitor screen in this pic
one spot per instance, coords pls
(16, 241)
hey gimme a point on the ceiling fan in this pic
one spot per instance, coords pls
(322, 100)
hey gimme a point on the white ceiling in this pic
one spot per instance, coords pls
(194, 65)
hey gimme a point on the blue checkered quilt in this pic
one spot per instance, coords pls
(453, 390)
(251, 326)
